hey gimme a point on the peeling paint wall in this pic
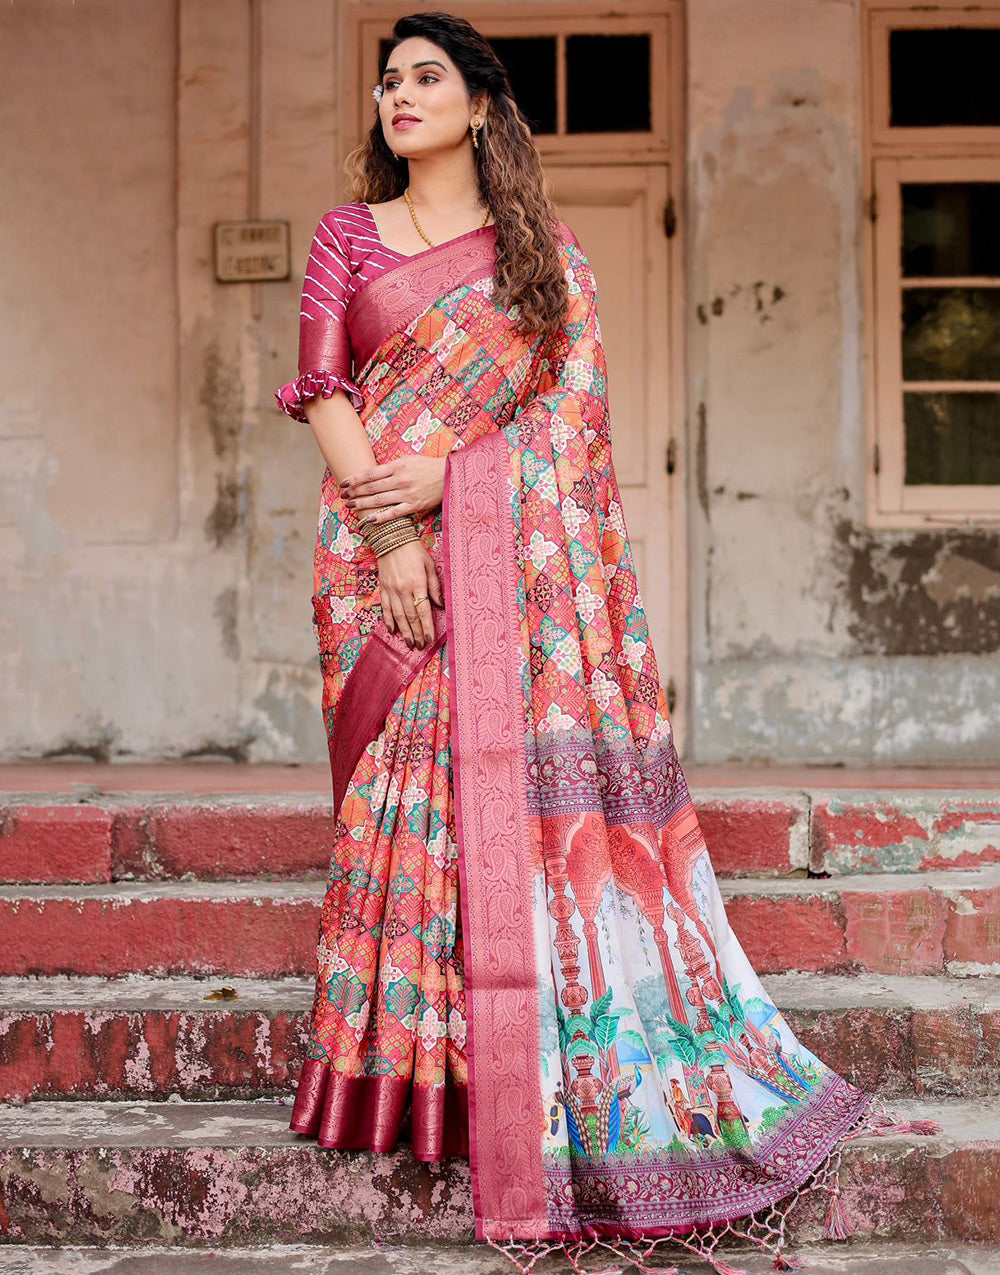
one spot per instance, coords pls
(814, 637)
(156, 510)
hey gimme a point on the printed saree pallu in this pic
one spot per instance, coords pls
(523, 944)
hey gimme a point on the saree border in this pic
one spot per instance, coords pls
(400, 293)
(381, 673)
(491, 816)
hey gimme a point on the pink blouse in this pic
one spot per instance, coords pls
(346, 252)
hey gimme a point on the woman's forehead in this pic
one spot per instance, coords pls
(414, 51)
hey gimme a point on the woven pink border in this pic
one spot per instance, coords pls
(394, 297)
(487, 739)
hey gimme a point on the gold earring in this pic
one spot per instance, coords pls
(475, 133)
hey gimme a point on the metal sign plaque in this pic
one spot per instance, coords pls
(247, 251)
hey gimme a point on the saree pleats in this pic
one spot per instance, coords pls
(387, 1038)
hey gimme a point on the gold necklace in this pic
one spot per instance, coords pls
(420, 230)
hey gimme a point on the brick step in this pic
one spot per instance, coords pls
(829, 1258)
(142, 1038)
(231, 1173)
(50, 838)
(260, 929)
(926, 923)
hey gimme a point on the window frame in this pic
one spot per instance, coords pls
(893, 156)
(559, 19)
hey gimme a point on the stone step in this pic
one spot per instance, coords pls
(260, 929)
(147, 1038)
(52, 838)
(928, 923)
(924, 923)
(854, 832)
(829, 1258)
(232, 1173)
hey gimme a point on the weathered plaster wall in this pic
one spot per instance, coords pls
(815, 638)
(157, 513)
(156, 509)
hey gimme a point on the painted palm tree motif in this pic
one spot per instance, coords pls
(598, 1114)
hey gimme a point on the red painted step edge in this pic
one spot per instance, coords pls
(914, 928)
(231, 1052)
(55, 843)
(149, 1054)
(228, 839)
(259, 937)
(904, 832)
(226, 1196)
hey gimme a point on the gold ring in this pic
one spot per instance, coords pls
(423, 598)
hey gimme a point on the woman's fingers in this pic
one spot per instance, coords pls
(367, 477)
(382, 512)
(413, 620)
(387, 615)
(434, 589)
(409, 589)
(424, 614)
(407, 485)
(403, 624)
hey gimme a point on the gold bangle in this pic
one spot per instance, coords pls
(384, 549)
(400, 528)
(383, 544)
(373, 531)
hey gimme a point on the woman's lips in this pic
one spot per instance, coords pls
(404, 124)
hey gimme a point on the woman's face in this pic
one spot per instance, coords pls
(425, 105)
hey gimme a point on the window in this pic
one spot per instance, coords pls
(561, 67)
(933, 134)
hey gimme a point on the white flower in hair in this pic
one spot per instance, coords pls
(377, 92)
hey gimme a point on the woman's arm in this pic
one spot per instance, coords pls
(340, 434)
(404, 573)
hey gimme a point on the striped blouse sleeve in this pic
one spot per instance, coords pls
(324, 349)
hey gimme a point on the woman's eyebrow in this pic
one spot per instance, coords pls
(428, 62)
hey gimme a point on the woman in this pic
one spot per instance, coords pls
(523, 950)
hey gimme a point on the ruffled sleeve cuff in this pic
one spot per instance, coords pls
(291, 397)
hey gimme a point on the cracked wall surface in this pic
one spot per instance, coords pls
(156, 510)
(157, 513)
(815, 638)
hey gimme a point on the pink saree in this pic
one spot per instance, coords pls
(524, 951)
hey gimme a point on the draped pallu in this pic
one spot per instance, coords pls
(628, 1077)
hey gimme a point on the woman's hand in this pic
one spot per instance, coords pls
(404, 574)
(407, 485)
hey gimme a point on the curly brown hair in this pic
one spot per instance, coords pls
(511, 181)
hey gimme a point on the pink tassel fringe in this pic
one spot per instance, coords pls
(837, 1225)
(766, 1232)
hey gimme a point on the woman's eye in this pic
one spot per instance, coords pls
(428, 75)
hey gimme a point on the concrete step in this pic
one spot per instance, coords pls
(51, 838)
(926, 831)
(925, 923)
(140, 1037)
(260, 929)
(829, 1258)
(231, 1174)
(148, 1038)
